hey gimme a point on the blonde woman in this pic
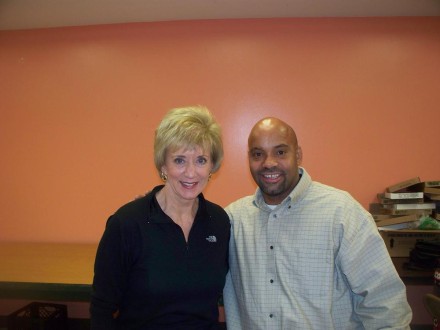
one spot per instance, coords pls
(163, 258)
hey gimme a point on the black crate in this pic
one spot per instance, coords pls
(39, 316)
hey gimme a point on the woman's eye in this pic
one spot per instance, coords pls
(179, 161)
(202, 161)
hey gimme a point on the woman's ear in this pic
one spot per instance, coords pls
(163, 174)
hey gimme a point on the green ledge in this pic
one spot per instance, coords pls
(49, 291)
(45, 291)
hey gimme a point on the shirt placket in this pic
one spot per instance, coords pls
(272, 284)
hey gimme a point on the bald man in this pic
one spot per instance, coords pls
(304, 255)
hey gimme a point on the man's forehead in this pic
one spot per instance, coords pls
(269, 146)
(269, 139)
(270, 134)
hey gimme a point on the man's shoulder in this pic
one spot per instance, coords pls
(331, 192)
(240, 206)
(242, 201)
(330, 197)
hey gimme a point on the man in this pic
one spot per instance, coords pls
(304, 255)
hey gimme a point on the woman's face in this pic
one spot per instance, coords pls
(188, 171)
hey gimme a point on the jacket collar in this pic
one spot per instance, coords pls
(156, 214)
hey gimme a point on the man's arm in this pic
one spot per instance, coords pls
(379, 295)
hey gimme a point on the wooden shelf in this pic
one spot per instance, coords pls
(46, 271)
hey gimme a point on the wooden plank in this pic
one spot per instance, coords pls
(47, 262)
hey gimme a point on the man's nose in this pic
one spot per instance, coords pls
(270, 161)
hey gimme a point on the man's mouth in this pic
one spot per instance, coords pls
(271, 177)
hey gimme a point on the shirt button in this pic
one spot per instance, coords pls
(274, 215)
(270, 315)
(271, 281)
(289, 206)
(271, 247)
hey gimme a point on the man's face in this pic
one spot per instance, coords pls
(273, 159)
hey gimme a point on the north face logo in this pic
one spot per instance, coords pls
(211, 239)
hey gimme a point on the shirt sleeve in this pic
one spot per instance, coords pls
(232, 311)
(230, 301)
(379, 298)
(108, 278)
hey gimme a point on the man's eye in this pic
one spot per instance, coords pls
(256, 154)
(281, 152)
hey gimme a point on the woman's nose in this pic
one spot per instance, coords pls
(190, 170)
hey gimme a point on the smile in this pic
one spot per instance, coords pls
(188, 184)
(271, 176)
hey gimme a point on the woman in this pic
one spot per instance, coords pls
(162, 261)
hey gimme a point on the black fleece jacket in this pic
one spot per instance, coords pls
(148, 277)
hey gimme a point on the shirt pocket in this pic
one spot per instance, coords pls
(307, 271)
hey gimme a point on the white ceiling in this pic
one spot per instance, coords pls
(30, 14)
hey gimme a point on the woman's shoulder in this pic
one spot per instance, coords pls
(216, 210)
(133, 210)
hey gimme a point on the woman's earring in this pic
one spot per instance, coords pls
(163, 176)
(209, 176)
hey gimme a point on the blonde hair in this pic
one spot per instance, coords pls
(188, 127)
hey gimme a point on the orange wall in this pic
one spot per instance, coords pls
(79, 107)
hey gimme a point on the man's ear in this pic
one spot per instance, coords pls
(299, 155)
